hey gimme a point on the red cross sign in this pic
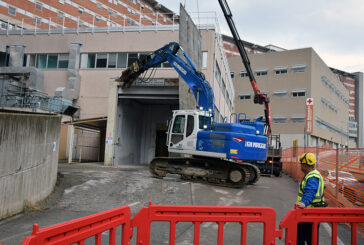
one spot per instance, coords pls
(309, 101)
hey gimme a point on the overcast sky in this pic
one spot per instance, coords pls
(333, 28)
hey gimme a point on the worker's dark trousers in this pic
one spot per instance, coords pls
(304, 233)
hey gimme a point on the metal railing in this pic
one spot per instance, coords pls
(106, 23)
(15, 94)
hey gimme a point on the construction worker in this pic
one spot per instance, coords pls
(310, 194)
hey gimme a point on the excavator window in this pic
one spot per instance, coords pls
(190, 125)
(179, 125)
(204, 122)
(178, 129)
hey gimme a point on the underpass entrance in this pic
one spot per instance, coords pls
(141, 123)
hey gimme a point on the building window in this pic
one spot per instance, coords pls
(281, 70)
(37, 21)
(47, 61)
(232, 74)
(329, 105)
(280, 93)
(204, 59)
(122, 60)
(63, 61)
(12, 10)
(299, 118)
(99, 6)
(280, 119)
(298, 68)
(4, 58)
(42, 61)
(111, 62)
(131, 58)
(80, 10)
(243, 74)
(244, 96)
(38, 6)
(97, 18)
(261, 72)
(299, 93)
(101, 60)
(218, 75)
(52, 61)
(60, 15)
(61, 2)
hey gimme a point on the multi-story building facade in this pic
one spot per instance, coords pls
(44, 14)
(80, 63)
(231, 49)
(289, 78)
(348, 80)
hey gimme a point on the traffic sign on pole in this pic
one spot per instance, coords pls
(309, 115)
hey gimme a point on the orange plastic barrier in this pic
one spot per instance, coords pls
(77, 231)
(200, 214)
(321, 215)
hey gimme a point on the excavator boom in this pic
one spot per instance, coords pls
(195, 80)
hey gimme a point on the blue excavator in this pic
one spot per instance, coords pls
(203, 150)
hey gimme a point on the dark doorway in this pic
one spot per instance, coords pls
(161, 149)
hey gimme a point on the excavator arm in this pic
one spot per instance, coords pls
(195, 80)
(259, 98)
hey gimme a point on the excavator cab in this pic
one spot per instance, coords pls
(183, 129)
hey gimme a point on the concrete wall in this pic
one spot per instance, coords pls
(190, 40)
(28, 159)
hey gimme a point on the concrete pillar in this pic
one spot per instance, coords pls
(72, 91)
(111, 123)
(16, 55)
(73, 67)
(70, 141)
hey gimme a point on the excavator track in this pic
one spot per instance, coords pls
(206, 170)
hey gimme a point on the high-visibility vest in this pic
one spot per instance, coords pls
(320, 190)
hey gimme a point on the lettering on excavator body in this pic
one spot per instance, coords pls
(255, 145)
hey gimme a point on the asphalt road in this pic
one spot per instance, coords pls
(85, 189)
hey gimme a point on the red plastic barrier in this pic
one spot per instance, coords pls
(77, 231)
(321, 215)
(200, 214)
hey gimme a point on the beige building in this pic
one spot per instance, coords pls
(290, 78)
(80, 64)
